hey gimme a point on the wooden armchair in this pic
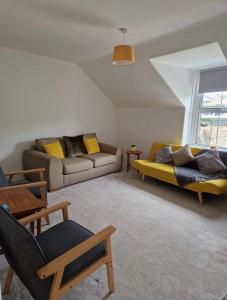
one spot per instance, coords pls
(61, 256)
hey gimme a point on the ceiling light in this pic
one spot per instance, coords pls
(123, 55)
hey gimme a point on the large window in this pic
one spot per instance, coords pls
(212, 119)
(209, 114)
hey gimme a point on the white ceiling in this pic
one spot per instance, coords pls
(84, 31)
(199, 58)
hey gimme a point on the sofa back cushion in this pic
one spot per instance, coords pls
(44, 141)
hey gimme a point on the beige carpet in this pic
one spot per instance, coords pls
(167, 246)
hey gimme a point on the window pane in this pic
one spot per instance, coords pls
(207, 131)
(222, 130)
(211, 100)
(224, 100)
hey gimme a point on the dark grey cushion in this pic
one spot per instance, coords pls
(74, 145)
(3, 178)
(24, 255)
(64, 236)
(210, 162)
(164, 155)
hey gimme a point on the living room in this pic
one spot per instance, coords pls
(119, 109)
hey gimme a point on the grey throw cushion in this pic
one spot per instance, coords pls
(210, 162)
(182, 156)
(164, 155)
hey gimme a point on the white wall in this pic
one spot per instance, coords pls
(143, 126)
(43, 97)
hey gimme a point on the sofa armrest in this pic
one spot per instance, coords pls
(107, 148)
(53, 168)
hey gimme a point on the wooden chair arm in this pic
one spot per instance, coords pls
(45, 212)
(24, 185)
(63, 260)
(10, 173)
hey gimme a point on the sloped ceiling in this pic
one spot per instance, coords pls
(85, 32)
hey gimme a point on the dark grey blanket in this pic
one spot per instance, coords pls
(190, 173)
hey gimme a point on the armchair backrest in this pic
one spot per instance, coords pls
(24, 255)
(3, 178)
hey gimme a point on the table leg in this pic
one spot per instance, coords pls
(138, 157)
(38, 226)
(128, 162)
(32, 227)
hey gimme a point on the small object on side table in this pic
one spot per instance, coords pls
(137, 153)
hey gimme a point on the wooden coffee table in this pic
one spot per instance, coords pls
(21, 203)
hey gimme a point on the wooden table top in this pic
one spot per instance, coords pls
(134, 152)
(20, 201)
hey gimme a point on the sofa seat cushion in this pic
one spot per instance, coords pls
(76, 164)
(100, 159)
(63, 237)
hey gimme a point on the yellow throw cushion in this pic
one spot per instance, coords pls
(54, 149)
(91, 145)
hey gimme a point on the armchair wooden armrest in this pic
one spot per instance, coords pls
(24, 185)
(11, 174)
(65, 259)
(24, 171)
(46, 212)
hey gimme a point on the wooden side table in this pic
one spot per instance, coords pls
(22, 203)
(136, 153)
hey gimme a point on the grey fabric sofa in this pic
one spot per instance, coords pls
(60, 173)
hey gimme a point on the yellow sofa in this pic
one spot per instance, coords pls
(165, 172)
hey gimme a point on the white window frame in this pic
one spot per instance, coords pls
(195, 117)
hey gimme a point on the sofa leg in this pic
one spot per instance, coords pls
(143, 177)
(200, 195)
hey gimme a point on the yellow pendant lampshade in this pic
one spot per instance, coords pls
(123, 55)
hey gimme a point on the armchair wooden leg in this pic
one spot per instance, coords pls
(54, 293)
(109, 266)
(200, 195)
(8, 282)
(47, 218)
(143, 177)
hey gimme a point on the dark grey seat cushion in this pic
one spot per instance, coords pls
(101, 159)
(64, 236)
(76, 164)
